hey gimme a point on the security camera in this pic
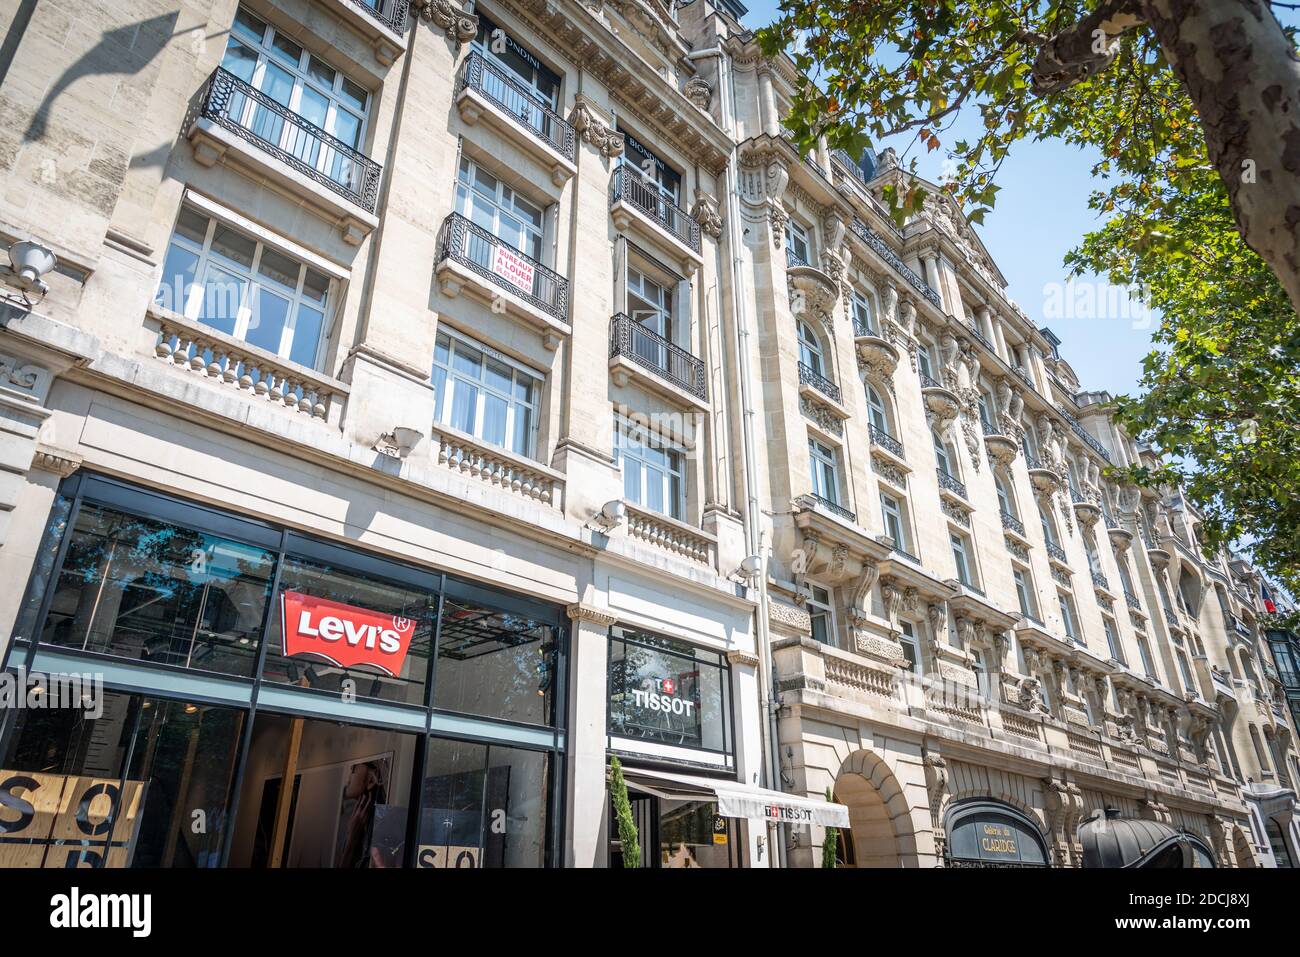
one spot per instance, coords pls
(611, 515)
(28, 262)
(399, 442)
(750, 568)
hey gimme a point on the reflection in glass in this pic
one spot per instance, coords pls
(124, 788)
(145, 589)
(483, 806)
(496, 664)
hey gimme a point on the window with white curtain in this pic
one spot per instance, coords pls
(485, 394)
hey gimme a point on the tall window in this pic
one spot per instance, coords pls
(304, 84)
(924, 365)
(1144, 652)
(1185, 670)
(1112, 638)
(864, 321)
(485, 394)
(824, 464)
(1024, 592)
(797, 246)
(810, 350)
(985, 404)
(1121, 563)
(487, 202)
(539, 83)
(821, 615)
(1004, 496)
(961, 556)
(943, 456)
(1049, 527)
(911, 647)
(651, 303)
(655, 173)
(237, 284)
(892, 514)
(876, 410)
(654, 470)
(1067, 616)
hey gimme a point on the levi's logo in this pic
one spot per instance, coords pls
(344, 635)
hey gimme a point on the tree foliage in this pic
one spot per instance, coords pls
(1220, 392)
(627, 836)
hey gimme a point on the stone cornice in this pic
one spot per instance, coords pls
(580, 612)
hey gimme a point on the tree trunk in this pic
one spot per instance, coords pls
(1242, 74)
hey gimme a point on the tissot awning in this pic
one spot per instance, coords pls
(738, 800)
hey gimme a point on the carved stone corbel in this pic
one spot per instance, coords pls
(594, 131)
(936, 785)
(449, 18)
(706, 213)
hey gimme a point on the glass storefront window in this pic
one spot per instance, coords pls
(495, 662)
(668, 691)
(692, 835)
(350, 632)
(159, 592)
(483, 806)
(144, 783)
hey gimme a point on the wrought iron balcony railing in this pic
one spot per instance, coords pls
(1101, 581)
(881, 249)
(389, 13)
(928, 382)
(1023, 375)
(835, 508)
(793, 259)
(1083, 434)
(808, 376)
(630, 186)
(1171, 618)
(1132, 600)
(988, 427)
(950, 482)
(1011, 523)
(886, 441)
(272, 127)
(1057, 552)
(503, 265)
(647, 348)
(479, 73)
(982, 339)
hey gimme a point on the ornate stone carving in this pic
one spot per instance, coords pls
(826, 420)
(792, 616)
(579, 612)
(594, 131)
(448, 17)
(699, 92)
(706, 213)
(58, 461)
(1029, 695)
(955, 512)
(888, 471)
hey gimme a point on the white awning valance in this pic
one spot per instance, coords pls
(738, 800)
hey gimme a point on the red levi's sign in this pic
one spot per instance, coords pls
(345, 635)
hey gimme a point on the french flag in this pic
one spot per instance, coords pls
(1268, 600)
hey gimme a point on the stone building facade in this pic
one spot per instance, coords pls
(520, 335)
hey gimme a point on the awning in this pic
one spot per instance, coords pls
(738, 800)
(1110, 840)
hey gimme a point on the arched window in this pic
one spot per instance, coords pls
(944, 456)
(1005, 500)
(876, 411)
(1049, 527)
(988, 833)
(810, 350)
(864, 319)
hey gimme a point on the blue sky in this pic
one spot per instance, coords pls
(1041, 213)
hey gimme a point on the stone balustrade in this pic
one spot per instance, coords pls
(860, 676)
(671, 535)
(488, 463)
(227, 361)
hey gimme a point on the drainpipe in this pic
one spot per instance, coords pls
(754, 536)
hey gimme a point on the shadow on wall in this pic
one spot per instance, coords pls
(123, 51)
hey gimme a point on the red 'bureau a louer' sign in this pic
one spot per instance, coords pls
(346, 635)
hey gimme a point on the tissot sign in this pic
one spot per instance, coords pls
(345, 635)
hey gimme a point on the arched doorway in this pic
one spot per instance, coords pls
(1277, 840)
(881, 832)
(986, 833)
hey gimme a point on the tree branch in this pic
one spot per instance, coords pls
(1084, 49)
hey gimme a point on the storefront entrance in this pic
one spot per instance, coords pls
(676, 834)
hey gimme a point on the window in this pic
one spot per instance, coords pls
(821, 615)
(654, 470)
(237, 284)
(668, 691)
(943, 456)
(1112, 638)
(1067, 616)
(650, 303)
(824, 466)
(665, 181)
(911, 648)
(1024, 591)
(1121, 563)
(796, 242)
(892, 514)
(1049, 527)
(876, 411)
(1004, 497)
(1185, 670)
(961, 556)
(924, 365)
(306, 85)
(540, 83)
(864, 321)
(1090, 549)
(810, 350)
(985, 404)
(492, 205)
(1144, 652)
(485, 395)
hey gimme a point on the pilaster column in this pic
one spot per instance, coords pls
(585, 825)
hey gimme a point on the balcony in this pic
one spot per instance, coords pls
(883, 250)
(950, 483)
(240, 124)
(1132, 600)
(636, 349)
(819, 383)
(474, 459)
(471, 258)
(382, 22)
(1057, 553)
(793, 260)
(835, 508)
(886, 441)
(1001, 447)
(1013, 524)
(486, 92)
(636, 201)
(1099, 580)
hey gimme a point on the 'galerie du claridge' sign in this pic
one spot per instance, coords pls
(344, 635)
